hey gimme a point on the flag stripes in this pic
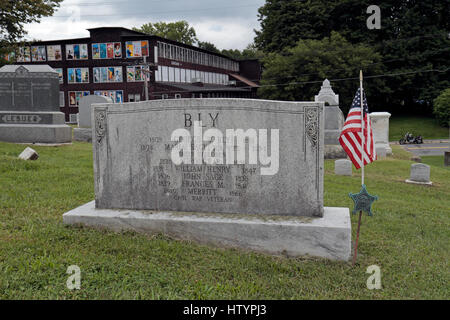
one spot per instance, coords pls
(351, 137)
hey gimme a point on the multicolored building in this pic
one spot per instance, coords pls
(111, 62)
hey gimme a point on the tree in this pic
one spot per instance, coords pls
(15, 14)
(413, 36)
(297, 74)
(442, 108)
(208, 46)
(178, 31)
(250, 52)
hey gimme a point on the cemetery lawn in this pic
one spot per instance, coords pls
(408, 238)
(428, 128)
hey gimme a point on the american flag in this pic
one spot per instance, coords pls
(351, 137)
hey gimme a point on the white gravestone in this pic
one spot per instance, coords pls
(380, 129)
(334, 120)
(29, 154)
(343, 167)
(84, 130)
(420, 174)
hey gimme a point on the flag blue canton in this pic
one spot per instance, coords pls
(357, 101)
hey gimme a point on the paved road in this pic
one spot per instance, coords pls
(428, 149)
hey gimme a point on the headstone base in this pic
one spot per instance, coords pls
(334, 152)
(82, 134)
(387, 147)
(35, 133)
(327, 237)
(429, 183)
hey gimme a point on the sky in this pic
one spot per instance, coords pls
(228, 24)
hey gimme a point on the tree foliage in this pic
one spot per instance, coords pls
(442, 108)
(208, 46)
(294, 74)
(179, 31)
(14, 15)
(414, 35)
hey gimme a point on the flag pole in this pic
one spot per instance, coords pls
(362, 161)
(362, 125)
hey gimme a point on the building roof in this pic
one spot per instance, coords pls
(33, 68)
(244, 80)
(123, 30)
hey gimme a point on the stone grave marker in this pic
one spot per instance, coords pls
(334, 121)
(343, 167)
(420, 174)
(381, 152)
(29, 154)
(447, 159)
(250, 176)
(29, 105)
(380, 129)
(84, 130)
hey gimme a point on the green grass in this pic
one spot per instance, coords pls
(426, 127)
(408, 238)
(437, 161)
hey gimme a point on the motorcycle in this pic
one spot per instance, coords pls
(410, 139)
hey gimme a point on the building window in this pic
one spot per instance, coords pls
(136, 73)
(115, 95)
(134, 97)
(137, 49)
(54, 53)
(76, 52)
(60, 74)
(38, 54)
(108, 74)
(75, 96)
(109, 50)
(78, 75)
(24, 54)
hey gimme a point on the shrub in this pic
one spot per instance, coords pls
(441, 108)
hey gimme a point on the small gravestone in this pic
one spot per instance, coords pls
(343, 167)
(84, 130)
(250, 175)
(29, 105)
(447, 159)
(381, 152)
(420, 174)
(29, 154)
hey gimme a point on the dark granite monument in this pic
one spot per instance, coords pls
(29, 106)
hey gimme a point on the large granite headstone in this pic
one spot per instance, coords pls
(447, 159)
(334, 121)
(272, 200)
(84, 130)
(29, 105)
